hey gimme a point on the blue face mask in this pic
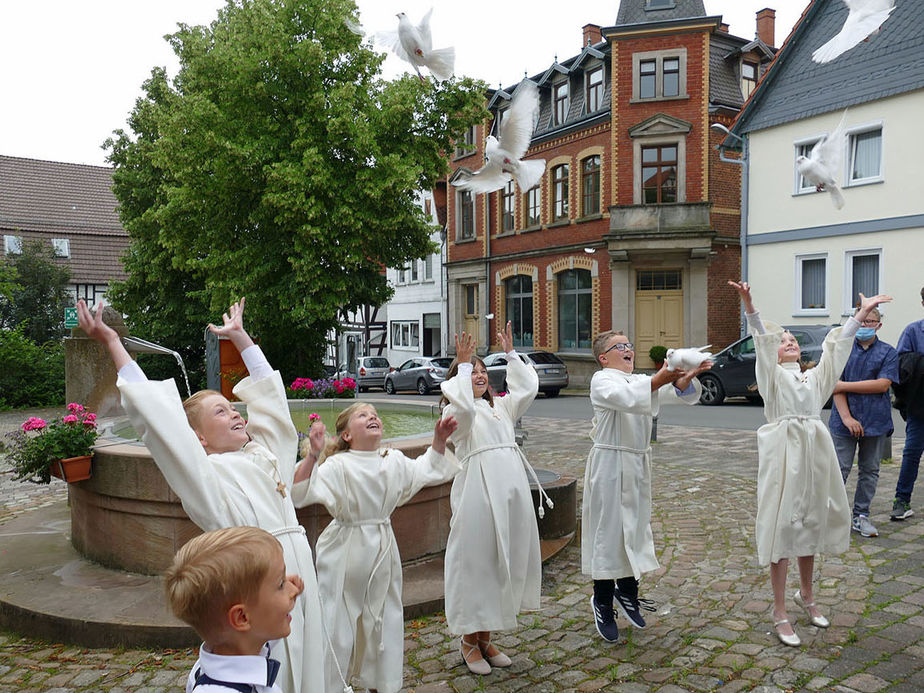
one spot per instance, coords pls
(866, 333)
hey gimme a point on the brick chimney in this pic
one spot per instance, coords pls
(766, 21)
(592, 34)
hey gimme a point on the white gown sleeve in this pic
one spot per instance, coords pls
(691, 394)
(766, 344)
(131, 373)
(835, 352)
(429, 469)
(269, 422)
(522, 387)
(632, 396)
(256, 363)
(458, 390)
(156, 411)
(322, 487)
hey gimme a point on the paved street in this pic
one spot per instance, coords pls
(712, 629)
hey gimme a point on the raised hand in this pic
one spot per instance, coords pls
(465, 347)
(98, 331)
(505, 338)
(317, 437)
(744, 291)
(233, 327)
(441, 432)
(297, 581)
(868, 303)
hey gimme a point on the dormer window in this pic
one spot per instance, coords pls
(660, 5)
(560, 99)
(498, 119)
(594, 90)
(748, 78)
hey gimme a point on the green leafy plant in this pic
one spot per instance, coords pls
(657, 353)
(37, 443)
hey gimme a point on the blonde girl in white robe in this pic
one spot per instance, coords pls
(493, 567)
(802, 506)
(359, 567)
(228, 472)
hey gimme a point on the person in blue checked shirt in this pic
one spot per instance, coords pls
(861, 419)
(911, 364)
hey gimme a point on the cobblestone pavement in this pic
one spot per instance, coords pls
(712, 629)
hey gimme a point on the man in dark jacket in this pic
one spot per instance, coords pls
(910, 393)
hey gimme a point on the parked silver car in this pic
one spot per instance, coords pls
(552, 371)
(422, 373)
(367, 371)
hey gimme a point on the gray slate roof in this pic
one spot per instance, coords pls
(635, 12)
(890, 63)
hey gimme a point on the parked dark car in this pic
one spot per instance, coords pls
(732, 374)
(552, 371)
(422, 373)
(367, 371)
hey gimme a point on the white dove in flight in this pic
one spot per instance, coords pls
(822, 167)
(864, 17)
(414, 44)
(504, 156)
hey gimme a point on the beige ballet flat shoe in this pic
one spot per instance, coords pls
(479, 666)
(791, 640)
(819, 621)
(499, 660)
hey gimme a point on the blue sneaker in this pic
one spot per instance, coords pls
(631, 608)
(604, 620)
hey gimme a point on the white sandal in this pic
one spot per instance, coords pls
(499, 660)
(479, 666)
(819, 620)
(791, 640)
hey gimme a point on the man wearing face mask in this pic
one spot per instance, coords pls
(861, 419)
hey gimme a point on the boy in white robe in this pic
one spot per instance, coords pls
(231, 586)
(359, 567)
(228, 472)
(616, 539)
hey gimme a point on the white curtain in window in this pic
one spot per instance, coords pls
(867, 153)
(813, 283)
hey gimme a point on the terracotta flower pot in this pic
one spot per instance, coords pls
(72, 468)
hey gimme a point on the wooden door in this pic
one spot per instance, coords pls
(658, 320)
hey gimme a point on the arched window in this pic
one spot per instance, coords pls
(590, 177)
(519, 292)
(560, 192)
(574, 309)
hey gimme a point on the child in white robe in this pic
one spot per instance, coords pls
(493, 567)
(802, 506)
(616, 540)
(358, 564)
(228, 472)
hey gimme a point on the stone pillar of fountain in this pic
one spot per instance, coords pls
(89, 374)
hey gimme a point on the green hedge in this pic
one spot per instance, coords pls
(30, 375)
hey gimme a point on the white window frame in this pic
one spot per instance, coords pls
(405, 335)
(12, 245)
(587, 75)
(61, 247)
(872, 126)
(849, 255)
(415, 271)
(428, 268)
(808, 142)
(566, 85)
(797, 309)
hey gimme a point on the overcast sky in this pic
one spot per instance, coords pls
(72, 69)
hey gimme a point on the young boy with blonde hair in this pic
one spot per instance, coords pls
(229, 472)
(616, 540)
(230, 585)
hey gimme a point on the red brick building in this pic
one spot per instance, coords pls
(635, 224)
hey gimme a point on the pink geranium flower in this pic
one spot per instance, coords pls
(70, 418)
(75, 408)
(33, 423)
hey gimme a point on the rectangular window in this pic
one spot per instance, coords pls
(507, 218)
(61, 247)
(658, 280)
(12, 245)
(671, 77)
(415, 271)
(590, 184)
(466, 215)
(748, 78)
(659, 174)
(534, 207)
(648, 78)
(803, 148)
(471, 299)
(560, 192)
(90, 293)
(811, 284)
(594, 90)
(862, 271)
(405, 334)
(866, 156)
(428, 268)
(467, 145)
(561, 103)
(402, 276)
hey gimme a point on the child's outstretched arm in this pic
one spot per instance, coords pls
(441, 432)
(458, 389)
(753, 318)
(317, 435)
(522, 380)
(868, 304)
(98, 331)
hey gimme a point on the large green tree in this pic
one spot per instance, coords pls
(35, 293)
(278, 165)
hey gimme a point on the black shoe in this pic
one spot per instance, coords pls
(631, 608)
(604, 620)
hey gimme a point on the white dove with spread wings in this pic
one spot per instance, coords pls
(864, 17)
(823, 166)
(414, 44)
(504, 157)
(686, 359)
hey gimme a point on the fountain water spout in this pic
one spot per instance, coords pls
(142, 346)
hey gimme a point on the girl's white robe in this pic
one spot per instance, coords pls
(802, 506)
(235, 489)
(616, 539)
(359, 567)
(493, 567)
